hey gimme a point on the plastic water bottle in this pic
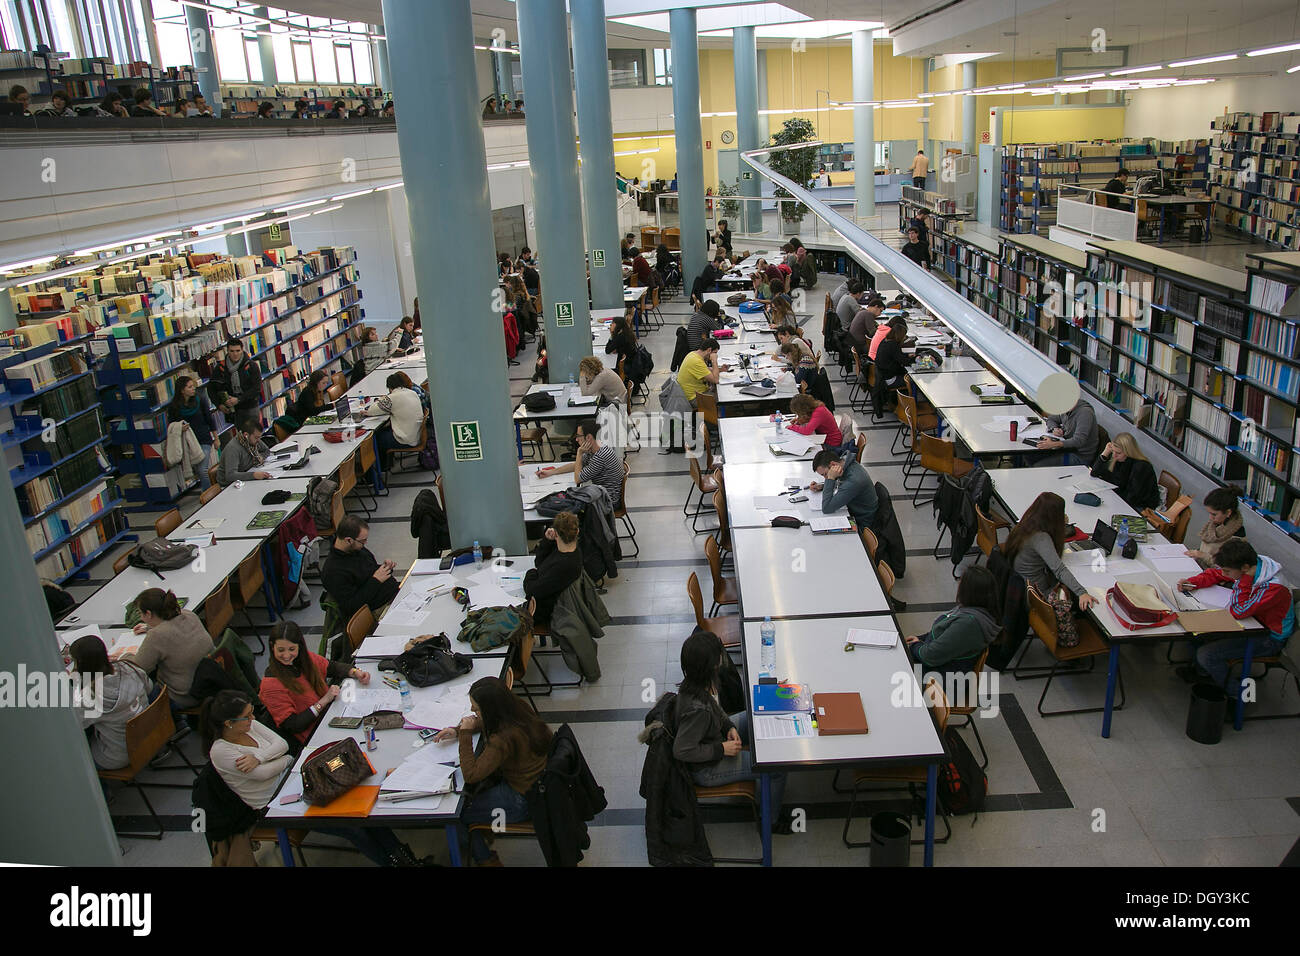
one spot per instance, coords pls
(768, 658)
(1121, 539)
(780, 424)
(571, 378)
(404, 689)
(478, 557)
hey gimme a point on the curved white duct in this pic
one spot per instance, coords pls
(1049, 386)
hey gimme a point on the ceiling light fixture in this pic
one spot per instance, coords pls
(1204, 59)
(1285, 48)
(1137, 69)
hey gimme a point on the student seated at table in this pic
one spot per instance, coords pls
(1074, 432)
(401, 340)
(111, 693)
(891, 362)
(604, 383)
(1224, 508)
(594, 462)
(958, 637)
(877, 338)
(713, 745)
(802, 364)
(420, 393)
(865, 324)
(704, 283)
(641, 269)
(515, 744)
(1122, 463)
(1034, 549)
(812, 417)
(402, 430)
(521, 304)
(761, 285)
(704, 322)
(175, 641)
(700, 370)
(244, 455)
(789, 335)
(1257, 593)
(849, 304)
(351, 574)
(299, 684)
(847, 485)
(251, 759)
(532, 280)
(557, 564)
(622, 340)
(312, 399)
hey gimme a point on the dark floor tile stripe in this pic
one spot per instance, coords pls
(652, 619)
(613, 715)
(1031, 749)
(664, 563)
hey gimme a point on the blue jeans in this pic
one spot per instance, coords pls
(1214, 656)
(483, 807)
(740, 767)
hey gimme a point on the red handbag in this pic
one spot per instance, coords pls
(1138, 606)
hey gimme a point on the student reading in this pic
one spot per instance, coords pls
(847, 485)
(295, 688)
(175, 641)
(557, 564)
(1224, 508)
(1034, 549)
(594, 462)
(1122, 463)
(351, 574)
(958, 637)
(123, 692)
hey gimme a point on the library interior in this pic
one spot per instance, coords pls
(629, 548)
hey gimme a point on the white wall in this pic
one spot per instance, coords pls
(1185, 113)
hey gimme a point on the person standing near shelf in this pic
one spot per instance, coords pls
(921, 223)
(190, 406)
(235, 383)
(920, 169)
(916, 250)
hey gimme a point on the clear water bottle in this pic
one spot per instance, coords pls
(571, 381)
(1121, 539)
(780, 424)
(404, 689)
(478, 556)
(768, 658)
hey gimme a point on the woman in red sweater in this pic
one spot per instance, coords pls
(294, 688)
(813, 417)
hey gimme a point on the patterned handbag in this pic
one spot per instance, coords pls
(1062, 602)
(333, 770)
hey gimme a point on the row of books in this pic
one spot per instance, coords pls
(1272, 295)
(41, 492)
(72, 434)
(1277, 335)
(1213, 420)
(1265, 489)
(1204, 452)
(1252, 195)
(1224, 316)
(1275, 373)
(1272, 121)
(72, 514)
(1260, 446)
(67, 558)
(37, 373)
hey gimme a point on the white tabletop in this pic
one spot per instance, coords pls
(968, 424)
(635, 293)
(604, 315)
(745, 440)
(812, 652)
(562, 391)
(959, 363)
(195, 581)
(394, 747)
(746, 481)
(946, 389)
(368, 422)
(787, 572)
(441, 615)
(404, 363)
(1018, 487)
(532, 488)
(236, 507)
(324, 462)
(729, 393)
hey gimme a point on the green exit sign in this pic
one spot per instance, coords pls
(466, 441)
(564, 314)
(598, 258)
(747, 174)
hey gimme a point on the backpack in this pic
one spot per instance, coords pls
(539, 401)
(428, 663)
(162, 555)
(487, 627)
(320, 498)
(639, 364)
(558, 501)
(962, 784)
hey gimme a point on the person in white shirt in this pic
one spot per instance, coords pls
(402, 430)
(604, 383)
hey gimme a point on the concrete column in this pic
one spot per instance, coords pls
(864, 123)
(383, 74)
(764, 127)
(8, 317)
(205, 57)
(501, 68)
(745, 57)
(444, 166)
(553, 157)
(968, 108)
(265, 48)
(596, 130)
(690, 144)
(150, 32)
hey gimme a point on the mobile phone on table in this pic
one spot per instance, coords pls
(428, 733)
(345, 723)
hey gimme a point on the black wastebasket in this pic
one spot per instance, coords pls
(1205, 713)
(891, 840)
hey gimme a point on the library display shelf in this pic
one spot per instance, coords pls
(1032, 173)
(1254, 175)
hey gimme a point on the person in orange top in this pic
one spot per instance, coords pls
(294, 688)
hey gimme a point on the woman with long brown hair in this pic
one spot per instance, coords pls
(1034, 549)
(296, 689)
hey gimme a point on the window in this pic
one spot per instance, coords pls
(343, 56)
(363, 63)
(303, 68)
(626, 68)
(61, 24)
(663, 67)
(229, 45)
(253, 54)
(327, 70)
(284, 68)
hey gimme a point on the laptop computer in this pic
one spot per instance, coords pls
(1104, 536)
(343, 410)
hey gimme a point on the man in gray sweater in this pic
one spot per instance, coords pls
(847, 485)
(1074, 432)
(848, 305)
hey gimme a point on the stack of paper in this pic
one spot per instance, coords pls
(425, 566)
(358, 701)
(445, 711)
(869, 637)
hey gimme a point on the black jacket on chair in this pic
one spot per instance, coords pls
(429, 525)
(564, 800)
(674, 830)
(1015, 610)
(889, 536)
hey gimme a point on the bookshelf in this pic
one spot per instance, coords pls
(242, 101)
(52, 433)
(1032, 173)
(1254, 174)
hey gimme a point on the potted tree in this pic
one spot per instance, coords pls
(797, 165)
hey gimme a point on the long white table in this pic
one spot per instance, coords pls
(441, 614)
(967, 423)
(324, 462)
(959, 363)
(235, 507)
(788, 572)
(945, 389)
(746, 481)
(1017, 488)
(562, 391)
(195, 582)
(745, 440)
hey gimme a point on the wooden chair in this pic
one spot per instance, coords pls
(347, 476)
(707, 407)
(367, 464)
(1042, 620)
(967, 711)
(870, 542)
(208, 494)
(706, 443)
(723, 534)
(249, 579)
(724, 589)
(535, 436)
(218, 611)
(937, 456)
(521, 655)
(1172, 486)
(123, 562)
(987, 534)
(168, 523)
(335, 392)
(212, 475)
(442, 499)
(620, 514)
(361, 626)
(147, 733)
(920, 420)
(281, 433)
(727, 628)
(862, 446)
(914, 777)
(1270, 662)
(401, 452)
(705, 485)
(339, 379)
(672, 238)
(729, 793)
(886, 575)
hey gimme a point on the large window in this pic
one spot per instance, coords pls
(627, 68)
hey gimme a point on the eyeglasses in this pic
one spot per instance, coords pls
(239, 720)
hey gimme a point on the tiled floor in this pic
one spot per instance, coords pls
(1059, 793)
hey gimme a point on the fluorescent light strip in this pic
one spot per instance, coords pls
(1204, 59)
(1286, 48)
(1294, 69)
(14, 266)
(359, 192)
(301, 205)
(639, 152)
(380, 189)
(1137, 69)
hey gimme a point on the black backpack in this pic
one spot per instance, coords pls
(962, 784)
(639, 364)
(430, 662)
(162, 555)
(558, 501)
(539, 401)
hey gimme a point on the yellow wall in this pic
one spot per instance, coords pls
(1062, 124)
(657, 165)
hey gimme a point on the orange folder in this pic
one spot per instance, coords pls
(357, 802)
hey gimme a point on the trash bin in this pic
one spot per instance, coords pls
(1205, 714)
(891, 840)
